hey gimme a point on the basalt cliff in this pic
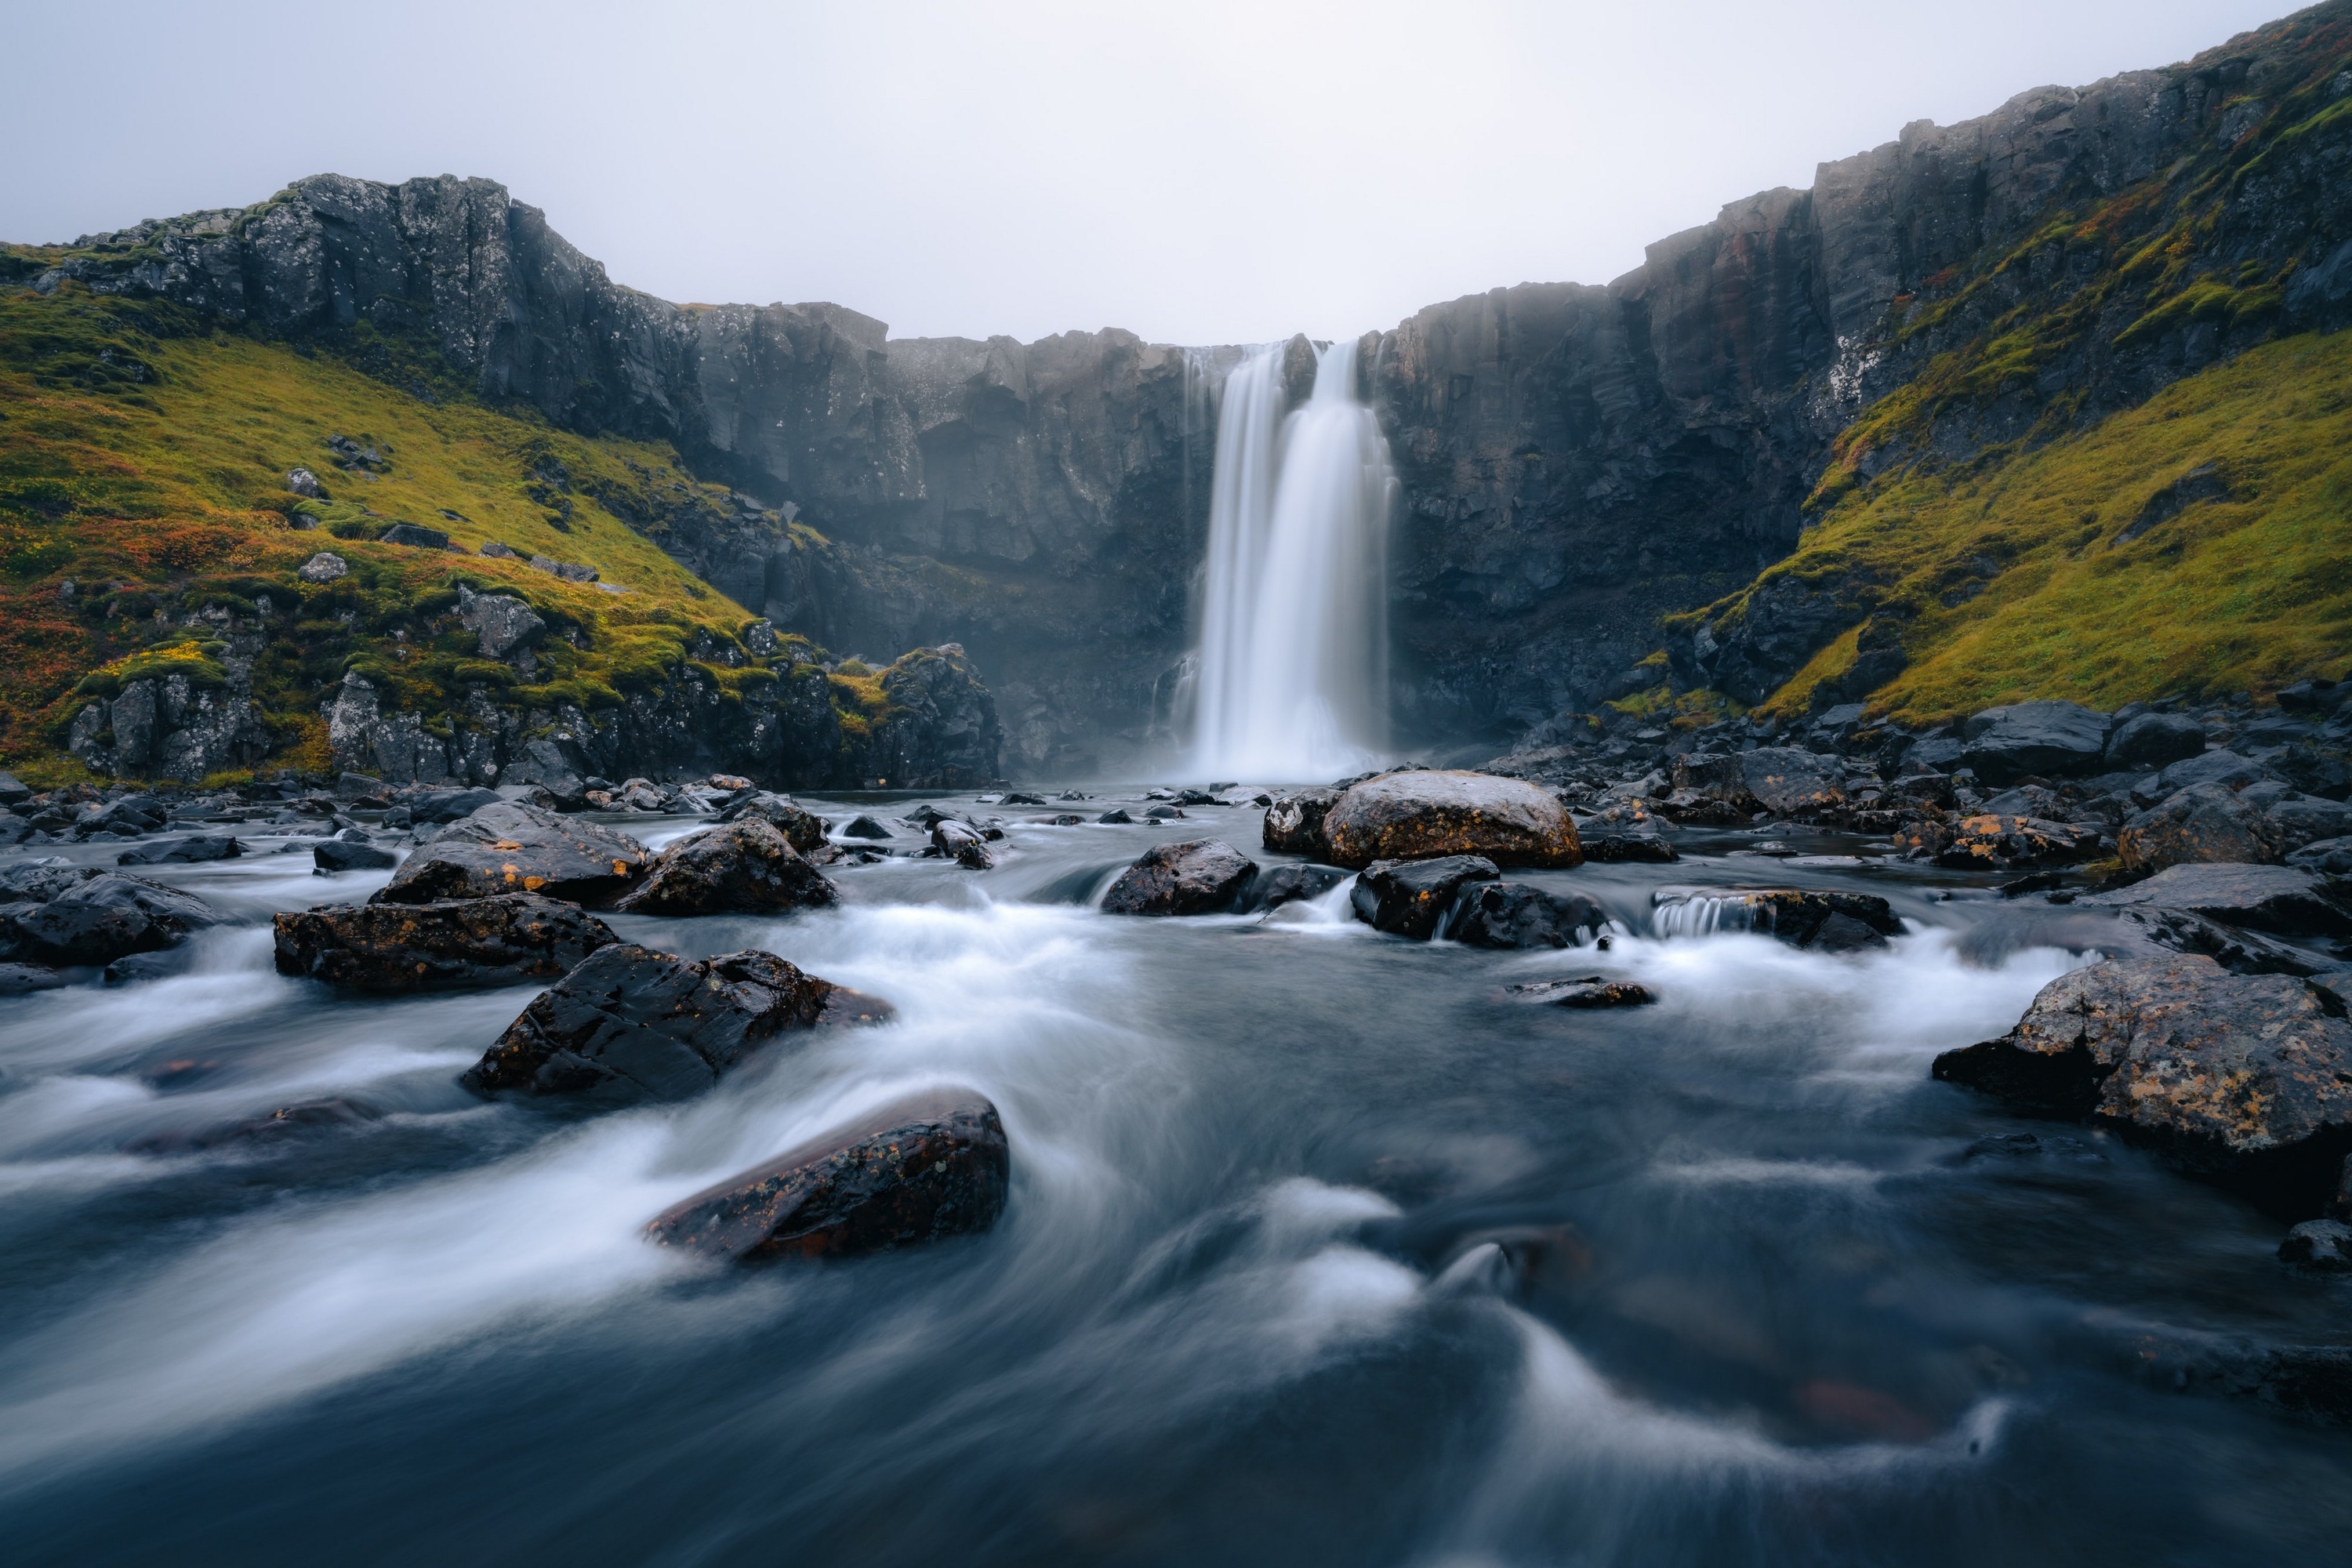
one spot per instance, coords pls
(1739, 471)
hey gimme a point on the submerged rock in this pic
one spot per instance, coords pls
(745, 866)
(1294, 823)
(932, 1164)
(2246, 1081)
(24, 979)
(70, 915)
(1281, 885)
(498, 941)
(1414, 897)
(962, 843)
(1424, 814)
(1197, 877)
(509, 847)
(629, 1024)
(1591, 991)
(271, 1127)
(1516, 915)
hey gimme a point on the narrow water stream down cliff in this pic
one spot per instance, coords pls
(1322, 1245)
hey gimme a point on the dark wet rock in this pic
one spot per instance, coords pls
(1115, 815)
(1281, 885)
(2321, 1246)
(1990, 842)
(2291, 825)
(67, 915)
(1197, 877)
(2238, 952)
(1294, 823)
(448, 805)
(1801, 917)
(1788, 782)
(2245, 1080)
(195, 849)
(803, 829)
(2331, 855)
(1516, 915)
(1019, 797)
(2203, 821)
(2054, 740)
(628, 1024)
(1427, 812)
(1606, 846)
(509, 847)
(306, 1117)
(865, 827)
(1413, 898)
(23, 979)
(161, 965)
(2155, 740)
(2225, 768)
(500, 940)
(928, 818)
(2286, 899)
(13, 791)
(744, 867)
(340, 854)
(2031, 1146)
(1591, 991)
(1717, 777)
(1164, 813)
(1194, 797)
(962, 842)
(932, 1164)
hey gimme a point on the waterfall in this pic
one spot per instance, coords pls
(1293, 679)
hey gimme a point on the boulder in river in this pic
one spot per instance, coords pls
(68, 915)
(498, 940)
(962, 843)
(1992, 842)
(192, 850)
(1518, 914)
(511, 846)
(1424, 813)
(339, 854)
(1279, 885)
(865, 827)
(629, 1024)
(741, 868)
(2242, 1079)
(931, 1164)
(1197, 877)
(24, 979)
(2054, 740)
(1591, 991)
(1115, 817)
(448, 805)
(2287, 900)
(1294, 823)
(2321, 1246)
(1801, 917)
(803, 829)
(1414, 897)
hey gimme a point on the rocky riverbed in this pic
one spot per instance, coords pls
(1683, 1140)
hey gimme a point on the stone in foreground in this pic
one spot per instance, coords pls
(2243, 1080)
(68, 915)
(1413, 898)
(1197, 877)
(1516, 915)
(630, 1024)
(500, 940)
(932, 1164)
(1425, 814)
(745, 866)
(511, 846)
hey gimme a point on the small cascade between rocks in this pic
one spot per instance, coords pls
(1293, 668)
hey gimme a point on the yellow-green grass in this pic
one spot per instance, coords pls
(2243, 594)
(143, 454)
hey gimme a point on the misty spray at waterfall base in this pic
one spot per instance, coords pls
(1293, 681)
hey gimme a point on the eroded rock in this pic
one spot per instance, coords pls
(1414, 897)
(930, 1165)
(498, 941)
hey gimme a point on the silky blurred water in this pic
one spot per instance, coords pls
(1323, 1246)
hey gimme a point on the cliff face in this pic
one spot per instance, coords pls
(1577, 461)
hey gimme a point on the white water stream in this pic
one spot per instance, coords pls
(1293, 648)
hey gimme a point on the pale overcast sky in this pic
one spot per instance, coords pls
(1196, 172)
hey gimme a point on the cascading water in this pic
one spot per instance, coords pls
(1294, 647)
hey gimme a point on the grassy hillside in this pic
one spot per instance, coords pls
(2033, 573)
(144, 454)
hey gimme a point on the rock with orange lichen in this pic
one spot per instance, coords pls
(516, 848)
(2241, 1079)
(457, 942)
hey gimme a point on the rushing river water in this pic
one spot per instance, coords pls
(1757, 1302)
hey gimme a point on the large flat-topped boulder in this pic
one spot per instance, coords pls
(746, 866)
(500, 940)
(512, 846)
(629, 1024)
(1791, 782)
(2287, 900)
(932, 1164)
(1425, 813)
(2243, 1080)
(2055, 740)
